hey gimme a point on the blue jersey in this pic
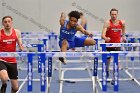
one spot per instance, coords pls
(68, 34)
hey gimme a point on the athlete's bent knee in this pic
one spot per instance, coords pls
(15, 89)
(93, 42)
(4, 79)
(64, 42)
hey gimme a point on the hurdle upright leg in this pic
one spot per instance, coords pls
(40, 49)
(49, 73)
(42, 57)
(60, 71)
(95, 69)
(104, 68)
(30, 72)
(116, 72)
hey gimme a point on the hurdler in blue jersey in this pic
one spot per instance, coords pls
(68, 29)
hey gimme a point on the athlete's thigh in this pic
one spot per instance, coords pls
(3, 70)
(12, 71)
(69, 44)
(61, 42)
(79, 41)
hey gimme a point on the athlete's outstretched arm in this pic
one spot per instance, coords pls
(105, 27)
(123, 31)
(18, 33)
(123, 27)
(83, 21)
(62, 18)
(80, 28)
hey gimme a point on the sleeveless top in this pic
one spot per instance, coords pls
(8, 44)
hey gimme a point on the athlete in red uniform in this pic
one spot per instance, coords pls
(8, 66)
(113, 31)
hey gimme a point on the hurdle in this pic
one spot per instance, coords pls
(40, 48)
(33, 34)
(41, 69)
(48, 39)
(52, 40)
(96, 54)
(30, 55)
(104, 45)
(44, 81)
(91, 54)
(94, 77)
(46, 46)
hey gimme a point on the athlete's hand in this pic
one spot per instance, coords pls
(21, 48)
(90, 34)
(107, 39)
(123, 38)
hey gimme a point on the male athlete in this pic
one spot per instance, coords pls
(113, 32)
(68, 29)
(8, 66)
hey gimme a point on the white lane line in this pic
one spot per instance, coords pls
(22, 84)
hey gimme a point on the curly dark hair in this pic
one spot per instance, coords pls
(75, 14)
(81, 13)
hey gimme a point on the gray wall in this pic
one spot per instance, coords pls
(43, 15)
